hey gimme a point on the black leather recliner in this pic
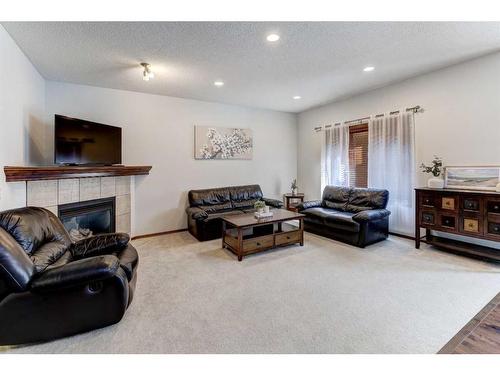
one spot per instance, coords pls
(207, 206)
(51, 287)
(353, 215)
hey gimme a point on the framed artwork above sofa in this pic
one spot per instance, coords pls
(222, 143)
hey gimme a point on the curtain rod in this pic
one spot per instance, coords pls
(415, 109)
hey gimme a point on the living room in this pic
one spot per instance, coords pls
(269, 187)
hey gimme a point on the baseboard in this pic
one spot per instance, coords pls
(159, 233)
(402, 236)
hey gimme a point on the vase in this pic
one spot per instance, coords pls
(435, 183)
(266, 209)
(260, 210)
(294, 191)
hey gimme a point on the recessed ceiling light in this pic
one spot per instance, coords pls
(368, 69)
(219, 83)
(273, 38)
(297, 97)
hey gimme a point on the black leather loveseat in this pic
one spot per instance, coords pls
(353, 215)
(51, 287)
(207, 206)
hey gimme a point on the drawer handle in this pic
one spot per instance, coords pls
(471, 225)
(496, 229)
(258, 243)
(496, 207)
(287, 237)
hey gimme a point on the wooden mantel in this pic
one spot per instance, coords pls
(13, 174)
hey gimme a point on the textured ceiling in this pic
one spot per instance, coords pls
(320, 61)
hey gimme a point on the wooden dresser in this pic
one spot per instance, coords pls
(464, 212)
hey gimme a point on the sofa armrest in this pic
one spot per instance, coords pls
(196, 213)
(371, 215)
(309, 204)
(79, 272)
(99, 244)
(273, 202)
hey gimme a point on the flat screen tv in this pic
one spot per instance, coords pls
(81, 142)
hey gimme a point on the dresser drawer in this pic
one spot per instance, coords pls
(471, 225)
(471, 204)
(493, 206)
(448, 222)
(428, 218)
(493, 229)
(428, 200)
(258, 243)
(448, 202)
(288, 237)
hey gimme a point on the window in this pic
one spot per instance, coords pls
(358, 155)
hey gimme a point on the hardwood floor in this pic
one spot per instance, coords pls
(481, 335)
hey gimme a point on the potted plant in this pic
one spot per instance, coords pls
(435, 169)
(259, 206)
(294, 186)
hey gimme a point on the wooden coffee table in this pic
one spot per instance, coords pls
(244, 234)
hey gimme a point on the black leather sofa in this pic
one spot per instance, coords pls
(51, 287)
(353, 215)
(207, 206)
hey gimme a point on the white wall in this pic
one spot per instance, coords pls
(22, 113)
(159, 131)
(461, 122)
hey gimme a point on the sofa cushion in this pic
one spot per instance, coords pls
(245, 196)
(336, 197)
(216, 207)
(33, 227)
(332, 218)
(317, 214)
(219, 215)
(342, 221)
(48, 254)
(245, 204)
(210, 200)
(367, 199)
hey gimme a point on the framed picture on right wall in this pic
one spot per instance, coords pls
(472, 178)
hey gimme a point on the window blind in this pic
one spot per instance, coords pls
(358, 156)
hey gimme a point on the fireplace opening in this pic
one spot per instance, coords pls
(84, 219)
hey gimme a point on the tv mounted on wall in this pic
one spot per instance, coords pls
(81, 142)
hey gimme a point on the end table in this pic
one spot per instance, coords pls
(292, 200)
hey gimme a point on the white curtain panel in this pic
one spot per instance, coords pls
(335, 157)
(391, 166)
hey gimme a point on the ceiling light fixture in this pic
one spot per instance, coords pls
(219, 83)
(147, 74)
(368, 69)
(273, 37)
(297, 97)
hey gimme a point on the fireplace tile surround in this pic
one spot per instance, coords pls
(51, 193)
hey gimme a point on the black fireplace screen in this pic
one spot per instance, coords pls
(83, 219)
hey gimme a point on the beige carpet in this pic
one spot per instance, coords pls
(325, 297)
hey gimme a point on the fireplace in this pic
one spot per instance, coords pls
(83, 219)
